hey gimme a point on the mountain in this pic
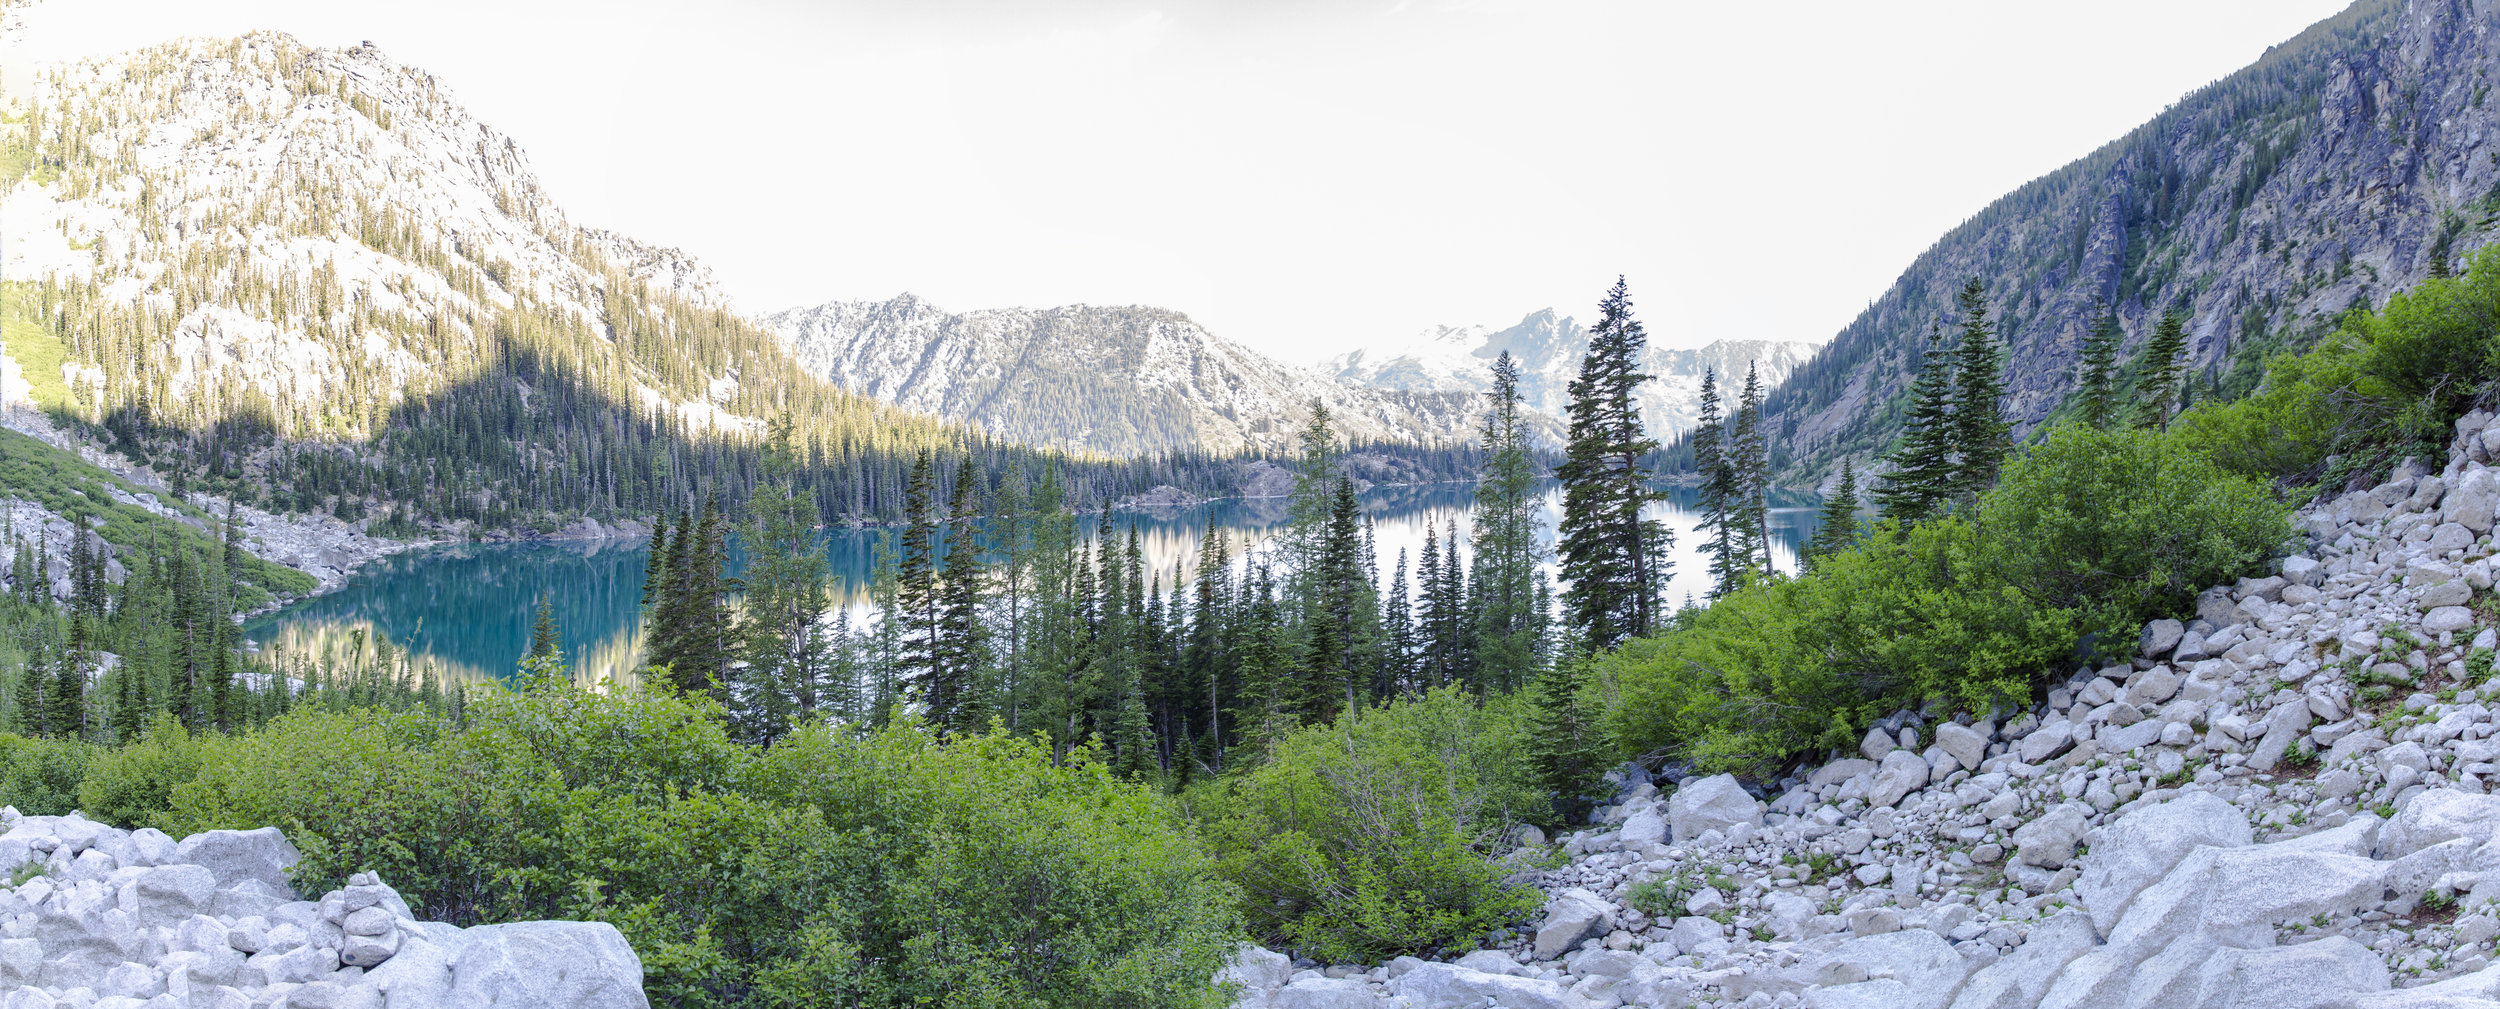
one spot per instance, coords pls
(310, 278)
(1118, 381)
(1548, 349)
(2338, 168)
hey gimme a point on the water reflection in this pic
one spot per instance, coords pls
(466, 611)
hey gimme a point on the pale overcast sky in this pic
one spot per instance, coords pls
(1301, 175)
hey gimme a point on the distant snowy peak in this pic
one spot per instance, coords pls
(1548, 348)
(1116, 380)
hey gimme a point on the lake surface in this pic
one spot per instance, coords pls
(466, 610)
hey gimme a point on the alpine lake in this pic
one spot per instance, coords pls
(466, 610)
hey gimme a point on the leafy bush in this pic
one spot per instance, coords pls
(1369, 837)
(2383, 385)
(40, 776)
(832, 869)
(2084, 538)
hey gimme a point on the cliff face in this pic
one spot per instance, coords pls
(2330, 173)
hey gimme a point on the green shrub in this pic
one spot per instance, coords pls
(2085, 536)
(132, 786)
(40, 776)
(1371, 837)
(2382, 385)
(832, 869)
(2120, 527)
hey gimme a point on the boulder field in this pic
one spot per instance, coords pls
(94, 917)
(2283, 801)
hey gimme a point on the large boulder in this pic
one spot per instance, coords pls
(2131, 854)
(1966, 744)
(1256, 969)
(547, 965)
(2018, 980)
(1447, 986)
(1909, 969)
(2313, 975)
(1572, 915)
(2050, 840)
(1713, 803)
(1900, 773)
(2439, 815)
(1643, 828)
(1322, 993)
(237, 855)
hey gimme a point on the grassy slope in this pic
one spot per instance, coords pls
(35, 349)
(73, 488)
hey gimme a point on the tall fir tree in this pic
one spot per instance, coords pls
(1564, 742)
(956, 700)
(1921, 481)
(1979, 426)
(2158, 369)
(780, 634)
(1718, 492)
(915, 604)
(1507, 548)
(2096, 372)
(1612, 555)
(1749, 464)
(543, 637)
(1838, 529)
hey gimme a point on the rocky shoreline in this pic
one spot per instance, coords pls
(2281, 802)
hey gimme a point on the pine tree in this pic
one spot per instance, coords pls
(1397, 617)
(914, 610)
(33, 711)
(1718, 490)
(543, 638)
(2158, 367)
(1338, 581)
(1506, 546)
(1614, 557)
(1749, 464)
(1921, 481)
(2096, 392)
(1979, 426)
(955, 699)
(1564, 744)
(780, 632)
(655, 564)
(1838, 530)
(66, 699)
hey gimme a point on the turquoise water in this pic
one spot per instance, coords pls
(468, 609)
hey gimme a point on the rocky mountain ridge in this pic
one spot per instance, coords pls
(1115, 380)
(2339, 167)
(2284, 801)
(1548, 348)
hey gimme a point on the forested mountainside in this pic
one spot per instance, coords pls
(2342, 166)
(1120, 381)
(308, 276)
(1548, 348)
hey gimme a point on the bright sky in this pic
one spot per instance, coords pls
(1300, 175)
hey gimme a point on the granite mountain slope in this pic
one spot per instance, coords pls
(2336, 169)
(1113, 380)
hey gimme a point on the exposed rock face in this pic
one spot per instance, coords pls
(1116, 380)
(2330, 172)
(121, 919)
(2301, 817)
